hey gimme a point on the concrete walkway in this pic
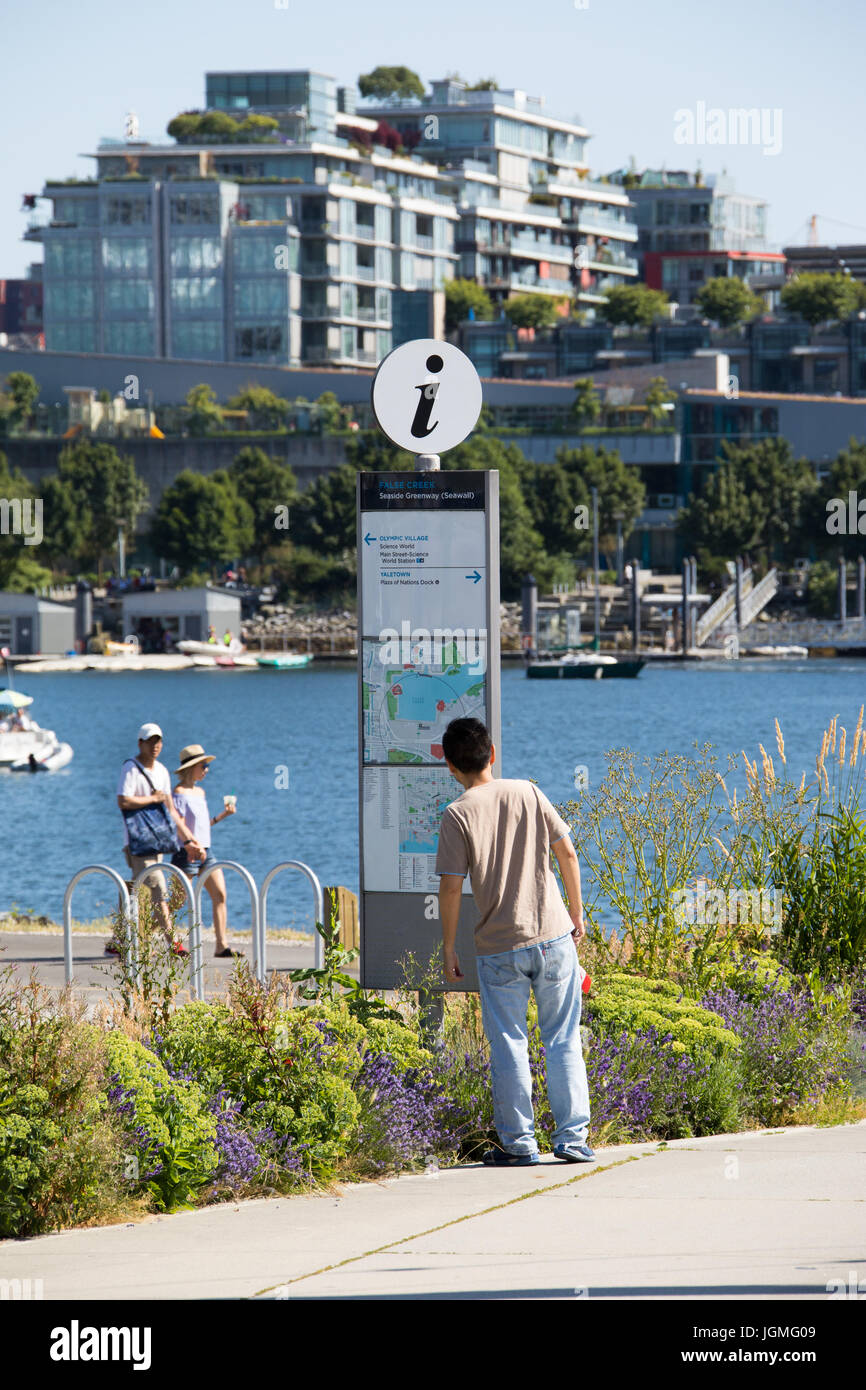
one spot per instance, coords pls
(94, 972)
(769, 1214)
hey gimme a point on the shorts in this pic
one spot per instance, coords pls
(155, 881)
(192, 867)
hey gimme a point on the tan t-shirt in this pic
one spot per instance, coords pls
(501, 833)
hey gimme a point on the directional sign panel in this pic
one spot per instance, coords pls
(429, 653)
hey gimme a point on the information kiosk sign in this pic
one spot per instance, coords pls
(428, 624)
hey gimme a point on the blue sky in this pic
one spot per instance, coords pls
(73, 70)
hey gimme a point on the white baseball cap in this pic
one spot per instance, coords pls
(149, 731)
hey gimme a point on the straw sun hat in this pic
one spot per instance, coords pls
(193, 753)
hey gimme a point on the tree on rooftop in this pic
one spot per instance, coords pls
(460, 297)
(727, 300)
(657, 398)
(204, 412)
(821, 298)
(634, 305)
(586, 406)
(386, 82)
(255, 127)
(266, 410)
(18, 398)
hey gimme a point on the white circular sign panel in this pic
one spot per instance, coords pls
(426, 396)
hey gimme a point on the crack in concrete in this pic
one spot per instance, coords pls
(456, 1221)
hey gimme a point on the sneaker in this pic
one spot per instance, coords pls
(112, 948)
(574, 1153)
(500, 1158)
(178, 949)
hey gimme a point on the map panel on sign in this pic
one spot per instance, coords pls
(418, 566)
(403, 808)
(406, 706)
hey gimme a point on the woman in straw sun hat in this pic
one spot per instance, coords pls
(191, 803)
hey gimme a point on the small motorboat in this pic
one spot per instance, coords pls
(284, 661)
(211, 649)
(585, 666)
(56, 757)
(21, 736)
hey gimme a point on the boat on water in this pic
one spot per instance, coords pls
(24, 745)
(283, 661)
(585, 666)
(223, 661)
(211, 649)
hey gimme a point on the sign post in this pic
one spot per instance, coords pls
(428, 629)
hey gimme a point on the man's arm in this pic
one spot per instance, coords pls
(134, 803)
(450, 893)
(569, 868)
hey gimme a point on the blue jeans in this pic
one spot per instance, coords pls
(550, 969)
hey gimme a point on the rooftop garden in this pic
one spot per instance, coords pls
(218, 128)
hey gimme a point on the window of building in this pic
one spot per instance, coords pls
(133, 337)
(128, 295)
(123, 254)
(192, 294)
(261, 297)
(65, 256)
(194, 208)
(72, 299)
(191, 339)
(127, 212)
(196, 253)
(261, 341)
(348, 341)
(70, 337)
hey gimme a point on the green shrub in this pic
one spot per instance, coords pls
(59, 1153)
(630, 1003)
(166, 1120)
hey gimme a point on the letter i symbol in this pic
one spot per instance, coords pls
(421, 426)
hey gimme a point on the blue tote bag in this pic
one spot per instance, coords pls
(151, 829)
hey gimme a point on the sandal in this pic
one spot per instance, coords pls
(226, 952)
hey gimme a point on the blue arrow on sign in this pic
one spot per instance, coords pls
(368, 538)
(475, 576)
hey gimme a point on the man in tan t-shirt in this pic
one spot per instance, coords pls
(501, 833)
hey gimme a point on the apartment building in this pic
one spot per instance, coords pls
(286, 248)
(531, 221)
(693, 228)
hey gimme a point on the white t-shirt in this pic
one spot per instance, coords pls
(134, 783)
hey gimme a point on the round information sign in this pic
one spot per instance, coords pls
(426, 396)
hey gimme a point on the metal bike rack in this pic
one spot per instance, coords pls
(194, 924)
(263, 911)
(200, 882)
(67, 912)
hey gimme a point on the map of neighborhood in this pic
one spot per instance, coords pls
(403, 807)
(406, 708)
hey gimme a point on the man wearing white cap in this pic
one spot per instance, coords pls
(144, 781)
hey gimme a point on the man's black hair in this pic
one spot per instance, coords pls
(467, 744)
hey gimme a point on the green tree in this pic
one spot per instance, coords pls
(205, 414)
(727, 300)
(328, 414)
(460, 297)
(620, 490)
(821, 298)
(385, 82)
(268, 487)
(521, 546)
(266, 410)
(586, 406)
(531, 310)
(184, 127)
(202, 523)
(19, 569)
(326, 513)
(760, 499)
(255, 127)
(847, 475)
(93, 493)
(18, 398)
(634, 305)
(658, 396)
(217, 124)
